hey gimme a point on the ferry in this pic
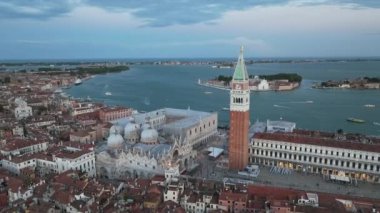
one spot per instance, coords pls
(376, 123)
(226, 108)
(78, 81)
(108, 93)
(355, 120)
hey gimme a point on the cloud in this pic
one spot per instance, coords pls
(159, 13)
(36, 9)
(236, 41)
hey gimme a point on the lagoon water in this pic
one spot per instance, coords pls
(149, 87)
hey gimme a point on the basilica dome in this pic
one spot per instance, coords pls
(115, 141)
(149, 136)
(145, 126)
(117, 128)
(130, 128)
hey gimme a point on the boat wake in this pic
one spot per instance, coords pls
(301, 102)
(279, 106)
(146, 101)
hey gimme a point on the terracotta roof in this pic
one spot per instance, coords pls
(158, 178)
(114, 109)
(63, 197)
(71, 154)
(14, 183)
(301, 139)
(19, 143)
(240, 197)
(81, 133)
(170, 206)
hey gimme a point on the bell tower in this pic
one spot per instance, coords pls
(239, 116)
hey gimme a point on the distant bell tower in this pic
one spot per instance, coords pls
(239, 116)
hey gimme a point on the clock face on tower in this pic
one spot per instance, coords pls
(237, 87)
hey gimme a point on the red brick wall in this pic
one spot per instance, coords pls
(238, 144)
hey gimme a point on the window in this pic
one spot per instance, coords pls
(353, 164)
(366, 157)
(349, 154)
(337, 153)
(359, 165)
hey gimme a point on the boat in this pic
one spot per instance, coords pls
(370, 105)
(309, 102)
(208, 93)
(78, 81)
(355, 120)
(108, 93)
(226, 108)
(59, 90)
(376, 123)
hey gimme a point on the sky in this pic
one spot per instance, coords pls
(80, 29)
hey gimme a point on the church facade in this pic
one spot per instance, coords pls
(149, 143)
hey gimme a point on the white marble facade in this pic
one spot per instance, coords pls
(154, 141)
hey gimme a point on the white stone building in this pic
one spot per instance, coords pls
(318, 153)
(22, 110)
(22, 146)
(76, 159)
(66, 159)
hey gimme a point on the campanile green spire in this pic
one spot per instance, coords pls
(240, 73)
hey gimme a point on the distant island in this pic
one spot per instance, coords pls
(359, 83)
(276, 82)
